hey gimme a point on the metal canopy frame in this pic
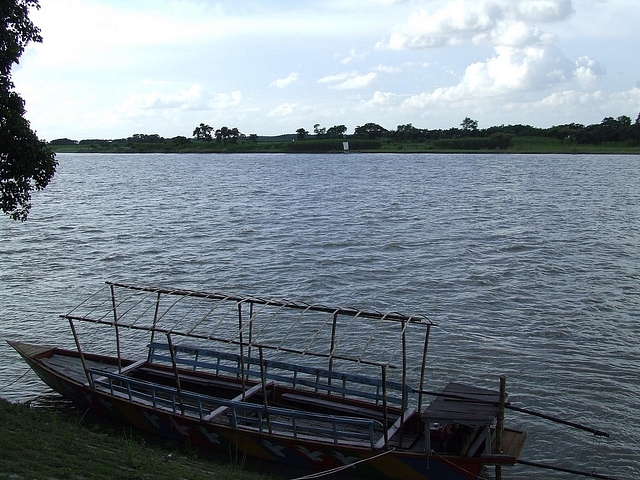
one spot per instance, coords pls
(247, 322)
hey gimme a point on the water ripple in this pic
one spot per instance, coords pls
(528, 263)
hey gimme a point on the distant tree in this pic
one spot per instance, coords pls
(203, 132)
(234, 134)
(371, 131)
(319, 132)
(227, 135)
(302, 133)
(469, 125)
(407, 133)
(144, 138)
(253, 137)
(26, 163)
(63, 141)
(180, 140)
(624, 121)
(337, 131)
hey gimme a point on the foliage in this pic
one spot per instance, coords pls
(337, 131)
(63, 141)
(302, 133)
(26, 163)
(203, 132)
(469, 125)
(370, 131)
(227, 135)
(318, 131)
(329, 145)
(612, 134)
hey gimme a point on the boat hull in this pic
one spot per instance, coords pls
(316, 455)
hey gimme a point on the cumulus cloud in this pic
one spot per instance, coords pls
(288, 110)
(349, 80)
(382, 99)
(359, 81)
(339, 77)
(510, 70)
(587, 70)
(194, 98)
(388, 69)
(352, 56)
(285, 82)
(498, 22)
(568, 98)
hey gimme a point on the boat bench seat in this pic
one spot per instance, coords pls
(402, 419)
(242, 397)
(205, 382)
(333, 406)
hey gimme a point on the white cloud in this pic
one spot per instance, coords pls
(388, 69)
(285, 82)
(339, 77)
(510, 70)
(569, 98)
(627, 102)
(195, 98)
(353, 56)
(587, 71)
(498, 22)
(382, 99)
(288, 110)
(349, 80)
(359, 81)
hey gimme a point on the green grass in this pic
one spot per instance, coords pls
(461, 145)
(41, 443)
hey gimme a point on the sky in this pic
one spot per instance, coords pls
(113, 68)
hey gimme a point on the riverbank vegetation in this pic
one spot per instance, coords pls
(611, 135)
(45, 443)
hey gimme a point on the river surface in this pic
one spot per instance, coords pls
(529, 264)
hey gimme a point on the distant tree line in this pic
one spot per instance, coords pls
(618, 132)
(469, 136)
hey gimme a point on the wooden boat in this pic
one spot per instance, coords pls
(327, 388)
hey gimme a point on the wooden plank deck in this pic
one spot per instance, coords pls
(465, 405)
(337, 407)
(242, 397)
(72, 366)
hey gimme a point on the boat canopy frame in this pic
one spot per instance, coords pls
(247, 322)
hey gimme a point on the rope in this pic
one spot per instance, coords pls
(344, 467)
(17, 379)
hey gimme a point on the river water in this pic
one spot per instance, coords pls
(529, 264)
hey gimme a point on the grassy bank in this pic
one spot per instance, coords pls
(42, 443)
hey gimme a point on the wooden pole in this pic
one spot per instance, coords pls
(175, 372)
(384, 406)
(153, 330)
(500, 423)
(241, 349)
(423, 366)
(115, 322)
(405, 399)
(84, 362)
(333, 343)
(263, 378)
